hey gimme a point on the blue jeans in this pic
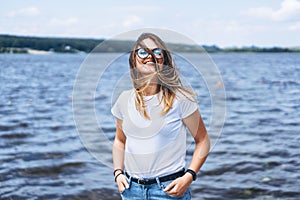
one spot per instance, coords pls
(150, 192)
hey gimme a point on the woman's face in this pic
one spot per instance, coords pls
(145, 63)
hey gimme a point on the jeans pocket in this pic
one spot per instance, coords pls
(124, 191)
(186, 195)
(163, 185)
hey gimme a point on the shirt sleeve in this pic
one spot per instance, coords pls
(116, 110)
(188, 107)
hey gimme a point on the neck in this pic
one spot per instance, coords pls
(151, 90)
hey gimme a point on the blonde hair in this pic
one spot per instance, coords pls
(167, 78)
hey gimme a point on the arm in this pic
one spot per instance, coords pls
(201, 138)
(118, 156)
(197, 128)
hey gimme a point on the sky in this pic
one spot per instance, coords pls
(230, 23)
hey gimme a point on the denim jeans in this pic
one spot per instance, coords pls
(150, 192)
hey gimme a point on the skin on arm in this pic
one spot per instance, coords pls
(118, 156)
(197, 128)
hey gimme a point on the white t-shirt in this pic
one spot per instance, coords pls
(154, 147)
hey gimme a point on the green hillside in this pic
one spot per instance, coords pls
(21, 44)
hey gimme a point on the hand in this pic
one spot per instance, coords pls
(122, 183)
(179, 186)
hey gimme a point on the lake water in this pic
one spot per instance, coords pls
(43, 157)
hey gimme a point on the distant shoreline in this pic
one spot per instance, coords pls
(48, 45)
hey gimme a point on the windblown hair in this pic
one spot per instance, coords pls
(167, 78)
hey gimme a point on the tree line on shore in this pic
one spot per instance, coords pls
(21, 44)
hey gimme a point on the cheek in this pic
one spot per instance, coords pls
(138, 61)
(160, 63)
(160, 60)
(138, 66)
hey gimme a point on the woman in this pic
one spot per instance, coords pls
(151, 119)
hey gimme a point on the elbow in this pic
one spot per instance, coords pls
(204, 147)
(207, 138)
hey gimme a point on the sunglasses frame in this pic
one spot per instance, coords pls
(153, 51)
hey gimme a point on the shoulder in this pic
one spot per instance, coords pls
(125, 94)
(183, 96)
(123, 98)
(187, 103)
(119, 105)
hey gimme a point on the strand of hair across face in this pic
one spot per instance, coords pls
(169, 82)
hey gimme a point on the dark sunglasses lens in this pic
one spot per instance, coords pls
(157, 52)
(142, 53)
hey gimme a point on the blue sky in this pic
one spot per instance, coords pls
(224, 23)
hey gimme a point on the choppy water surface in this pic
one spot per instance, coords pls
(42, 157)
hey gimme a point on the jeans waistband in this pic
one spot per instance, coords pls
(154, 180)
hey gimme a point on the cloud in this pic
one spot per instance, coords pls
(64, 22)
(131, 21)
(295, 26)
(24, 12)
(289, 10)
(136, 8)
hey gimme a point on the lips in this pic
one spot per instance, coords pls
(149, 63)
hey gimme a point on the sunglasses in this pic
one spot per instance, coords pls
(142, 53)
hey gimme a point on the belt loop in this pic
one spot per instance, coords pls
(128, 177)
(158, 182)
(129, 180)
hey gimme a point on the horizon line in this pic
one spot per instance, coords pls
(94, 38)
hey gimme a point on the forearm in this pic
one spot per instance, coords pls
(118, 159)
(118, 154)
(201, 138)
(200, 154)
